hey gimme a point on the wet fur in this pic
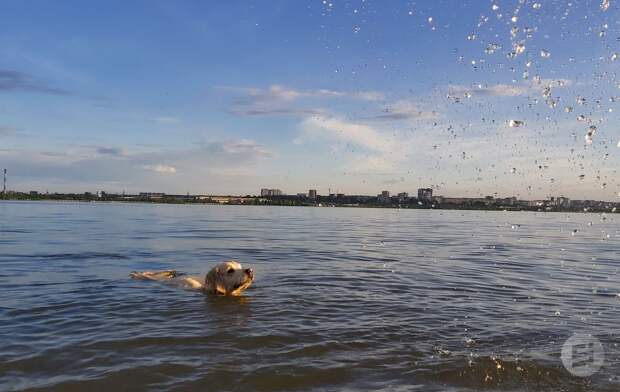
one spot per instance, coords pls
(227, 278)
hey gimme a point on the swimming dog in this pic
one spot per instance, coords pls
(227, 278)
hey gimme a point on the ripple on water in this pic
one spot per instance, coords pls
(344, 299)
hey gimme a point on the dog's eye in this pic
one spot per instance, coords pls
(230, 270)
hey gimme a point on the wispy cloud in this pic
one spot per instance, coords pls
(266, 111)
(243, 147)
(334, 128)
(534, 86)
(282, 93)
(405, 110)
(280, 100)
(161, 169)
(11, 80)
(80, 167)
(111, 151)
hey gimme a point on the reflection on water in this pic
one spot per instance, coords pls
(344, 298)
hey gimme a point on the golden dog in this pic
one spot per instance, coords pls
(227, 278)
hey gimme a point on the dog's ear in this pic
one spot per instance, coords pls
(212, 281)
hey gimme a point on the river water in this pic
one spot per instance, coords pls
(344, 298)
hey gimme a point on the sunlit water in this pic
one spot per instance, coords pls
(344, 298)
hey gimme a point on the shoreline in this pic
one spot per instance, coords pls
(610, 210)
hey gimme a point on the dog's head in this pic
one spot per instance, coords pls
(228, 278)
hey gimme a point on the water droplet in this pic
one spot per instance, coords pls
(492, 47)
(536, 6)
(471, 37)
(581, 118)
(514, 19)
(514, 31)
(582, 176)
(513, 170)
(545, 54)
(519, 47)
(574, 232)
(568, 109)
(614, 56)
(495, 7)
(590, 134)
(605, 5)
(557, 313)
(430, 19)
(515, 123)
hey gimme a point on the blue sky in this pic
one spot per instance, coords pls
(353, 96)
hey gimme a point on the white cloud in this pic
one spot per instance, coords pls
(162, 169)
(406, 110)
(245, 148)
(282, 93)
(280, 100)
(333, 128)
(509, 90)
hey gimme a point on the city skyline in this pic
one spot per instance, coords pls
(423, 194)
(467, 98)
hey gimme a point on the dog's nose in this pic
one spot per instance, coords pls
(250, 272)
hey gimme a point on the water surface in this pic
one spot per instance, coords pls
(345, 298)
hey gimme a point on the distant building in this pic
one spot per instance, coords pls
(340, 195)
(312, 194)
(152, 195)
(384, 197)
(403, 196)
(507, 201)
(265, 192)
(301, 195)
(536, 203)
(425, 194)
(563, 202)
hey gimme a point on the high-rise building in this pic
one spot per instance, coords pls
(561, 202)
(266, 192)
(402, 197)
(312, 194)
(425, 194)
(384, 197)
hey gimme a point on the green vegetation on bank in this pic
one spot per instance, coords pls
(487, 203)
